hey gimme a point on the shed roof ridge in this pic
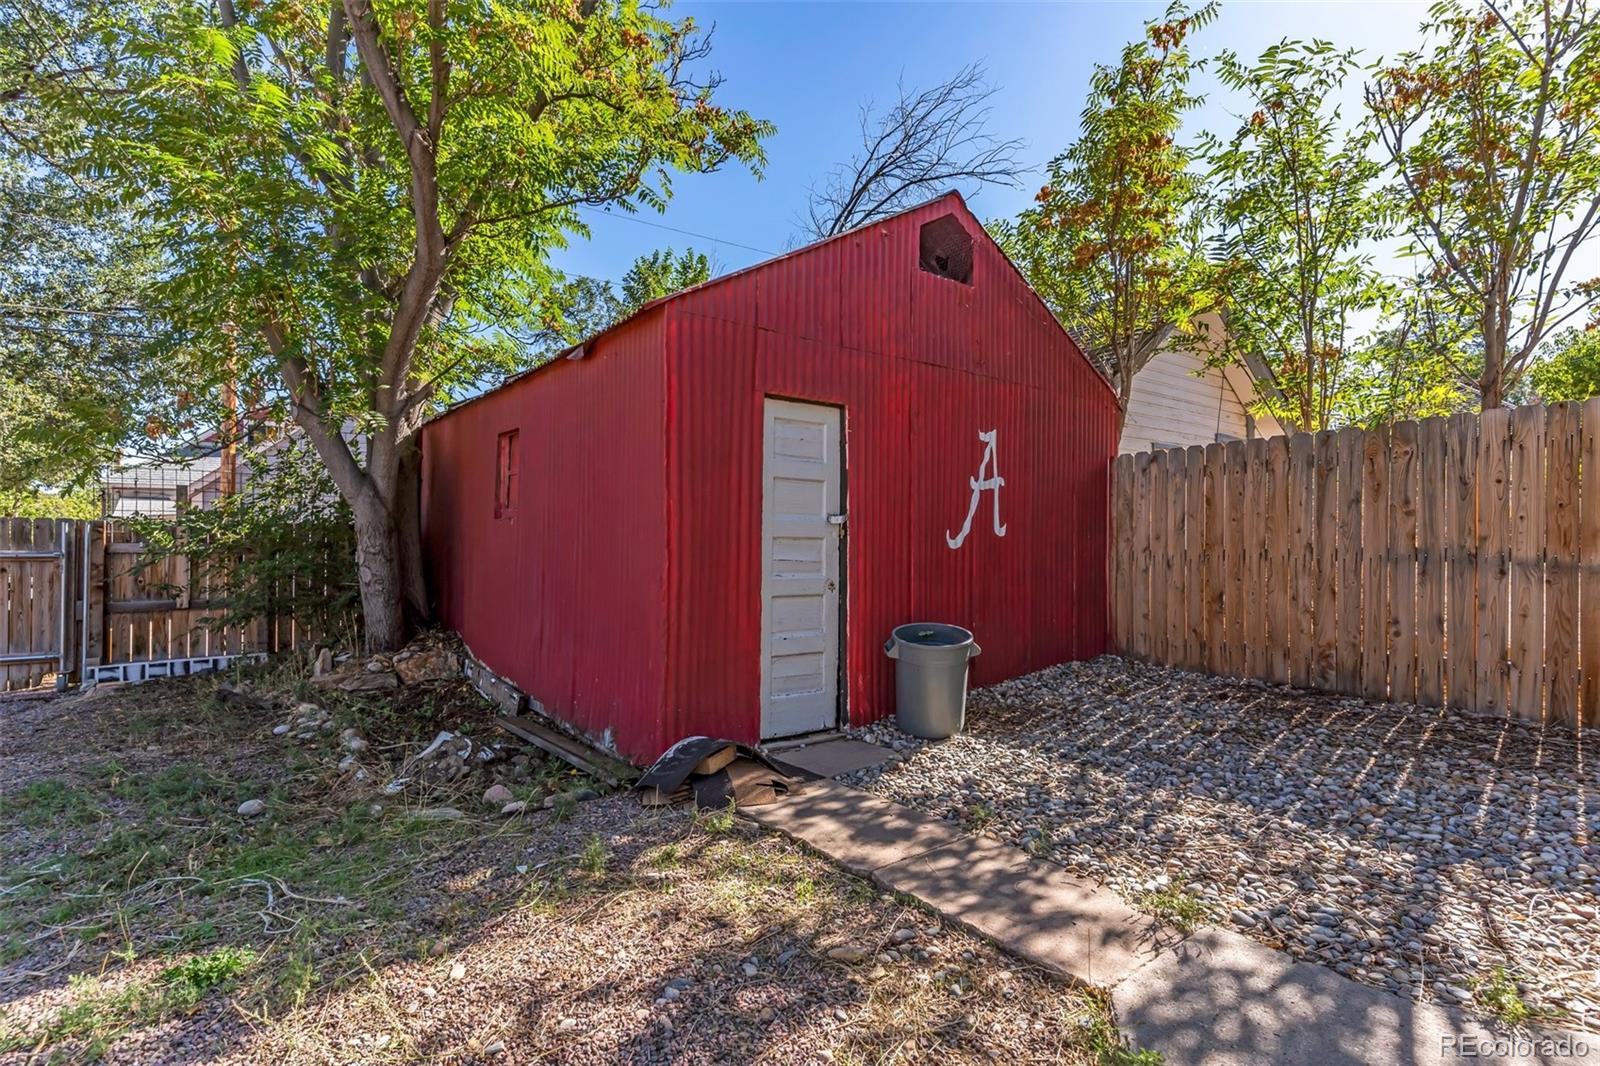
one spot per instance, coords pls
(576, 350)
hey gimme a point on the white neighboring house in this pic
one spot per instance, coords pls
(1178, 401)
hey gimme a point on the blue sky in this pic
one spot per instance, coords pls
(808, 67)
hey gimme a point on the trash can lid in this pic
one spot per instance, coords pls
(934, 634)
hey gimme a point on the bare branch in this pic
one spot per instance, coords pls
(928, 142)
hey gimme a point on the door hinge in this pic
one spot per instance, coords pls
(836, 519)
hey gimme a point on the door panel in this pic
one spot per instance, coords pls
(802, 479)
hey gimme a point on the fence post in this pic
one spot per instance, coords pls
(94, 618)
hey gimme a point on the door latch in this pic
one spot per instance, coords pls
(836, 519)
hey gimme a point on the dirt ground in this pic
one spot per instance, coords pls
(144, 919)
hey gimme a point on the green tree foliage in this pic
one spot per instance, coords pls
(1494, 136)
(74, 390)
(1568, 368)
(1112, 241)
(591, 305)
(353, 203)
(282, 547)
(1295, 210)
(1404, 369)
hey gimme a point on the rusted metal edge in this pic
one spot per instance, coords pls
(543, 732)
(568, 750)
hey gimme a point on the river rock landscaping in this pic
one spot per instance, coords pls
(216, 870)
(1446, 856)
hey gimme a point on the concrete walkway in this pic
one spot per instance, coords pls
(1211, 999)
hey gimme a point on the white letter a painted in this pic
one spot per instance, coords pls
(979, 485)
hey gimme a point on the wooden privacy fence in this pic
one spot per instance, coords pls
(79, 595)
(1448, 562)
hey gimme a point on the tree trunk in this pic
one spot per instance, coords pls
(408, 522)
(1491, 383)
(378, 567)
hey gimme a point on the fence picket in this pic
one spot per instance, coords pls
(1175, 574)
(1325, 672)
(1253, 553)
(1156, 502)
(1238, 552)
(1561, 569)
(1196, 557)
(1461, 618)
(1122, 549)
(1431, 493)
(1277, 632)
(1302, 557)
(1374, 564)
(1589, 559)
(1141, 555)
(1402, 569)
(1215, 632)
(1494, 589)
(1351, 449)
(1525, 685)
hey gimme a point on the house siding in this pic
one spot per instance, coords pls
(1178, 400)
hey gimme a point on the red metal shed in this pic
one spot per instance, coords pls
(708, 518)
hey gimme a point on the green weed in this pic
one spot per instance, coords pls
(1176, 906)
(716, 820)
(1498, 994)
(594, 857)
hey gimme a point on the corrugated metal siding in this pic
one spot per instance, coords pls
(920, 365)
(628, 596)
(566, 597)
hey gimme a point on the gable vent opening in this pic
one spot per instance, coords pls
(946, 249)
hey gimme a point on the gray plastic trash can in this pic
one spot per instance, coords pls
(930, 677)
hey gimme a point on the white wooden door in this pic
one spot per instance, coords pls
(801, 530)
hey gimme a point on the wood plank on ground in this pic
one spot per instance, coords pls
(1431, 492)
(1461, 556)
(1561, 565)
(1525, 682)
(1494, 587)
(1402, 569)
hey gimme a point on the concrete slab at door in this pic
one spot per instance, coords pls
(802, 481)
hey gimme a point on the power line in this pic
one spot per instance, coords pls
(34, 309)
(76, 331)
(675, 229)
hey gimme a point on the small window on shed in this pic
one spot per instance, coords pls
(506, 473)
(946, 249)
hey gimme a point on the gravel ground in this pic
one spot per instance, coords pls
(1410, 848)
(143, 920)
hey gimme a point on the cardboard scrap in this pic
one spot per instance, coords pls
(712, 772)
